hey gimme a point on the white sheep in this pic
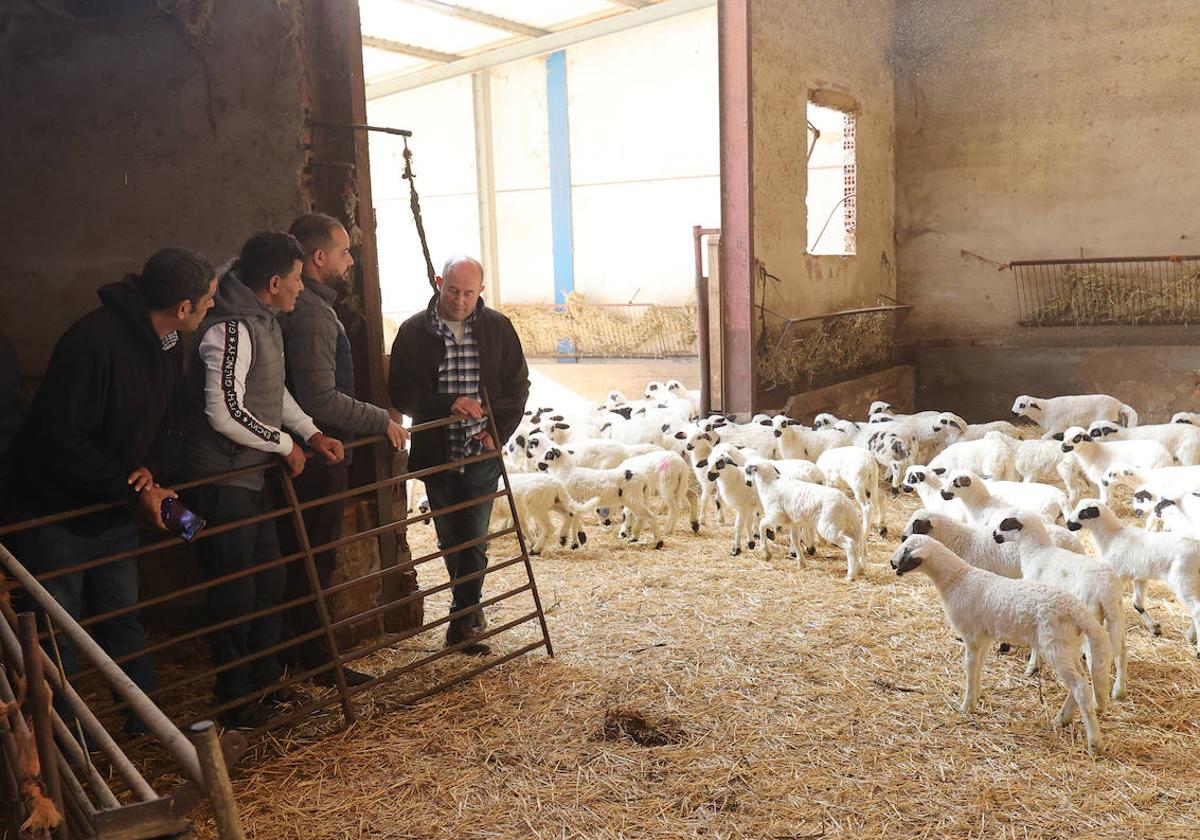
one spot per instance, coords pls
(1189, 417)
(1096, 457)
(974, 545)
(762, 439)
(697, 446)
(536, 496)
(1093, 582)
(974, 431)
(992, 457)
(723, 469)
(1164, 482)
(632, 431)
(670, 476)
(605, 489)
(675, 389)
(921, 480)
(808, 511)
(1057, 414)
(1180, 439)
(600, 454)
(796, 441)
(982, 607)
(984, 499)
(854, 470)
(1139, 555)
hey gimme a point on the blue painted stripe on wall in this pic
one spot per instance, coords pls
(560, 175)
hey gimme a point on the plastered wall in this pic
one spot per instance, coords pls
(1032, 130)
(798, 46)
(116, 145)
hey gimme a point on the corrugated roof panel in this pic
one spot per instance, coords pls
(382, 62)
(543, 13)
(408, 24)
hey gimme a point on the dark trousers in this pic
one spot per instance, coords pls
(235, 551)
(324, 524)
(448, 488)
(94, 591)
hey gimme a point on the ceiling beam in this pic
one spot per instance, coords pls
(408, 49)
(663, 10)
(476, 16)
(633, 4)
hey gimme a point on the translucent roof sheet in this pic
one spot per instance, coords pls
(416, 23)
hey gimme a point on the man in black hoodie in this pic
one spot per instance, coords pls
(89, 439)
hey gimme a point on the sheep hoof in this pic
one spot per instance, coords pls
(895, 493)
(695, 527)
(736, 551)
(1155, 630)
(658, 545)
(1096, 747)
(1118, 692)
(883, 531)
(574, 546)
(770, 533)
(582, 537)
(562, 540)
(607, 522)
(811, 550)
(750, 545)
(1005, 647)
(533, 552)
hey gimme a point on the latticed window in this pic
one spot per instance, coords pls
(832, 174)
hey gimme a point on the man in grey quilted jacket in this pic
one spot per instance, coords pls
(320, 374)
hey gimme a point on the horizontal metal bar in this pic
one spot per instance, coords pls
(1101, 260)
(474, 672)
(402, 132)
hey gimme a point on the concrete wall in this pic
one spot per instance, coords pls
(117, 145)
(1028, 130)
(799, 46)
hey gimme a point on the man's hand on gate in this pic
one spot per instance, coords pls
(398, 435)
(294, 459)
(330, 448)
(150, 503)
(485, 437)
(467, 407)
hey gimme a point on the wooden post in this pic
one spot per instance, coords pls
(216, 781)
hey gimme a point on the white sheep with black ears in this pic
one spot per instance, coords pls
(536, 495)
(983, 608)
(807, 511)
(1164, 482)
(855, 471)
(927, 485)
(1180, 439)
(1189, 417)
(1057, 414)
(974, 431)
(723, 469)
(992, 456)
(1093, 582)
(1139, 555)
(605, 489)
(983, 500)
(692, 397)
(1095, 457)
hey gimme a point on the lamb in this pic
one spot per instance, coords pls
(724, 470)
(536, 495)
(593, 488)
(795, 441)
(974, 545)
(924, 436)
(1188, 417)
(1057, 414)
(984, 499)
(1093, 582)
(1165, 482)
(601, 454)
(982, 607)
(991, 457)
(893, 447)
(920, 479)
(675, 389)
(669, 474)
(1139, 555)
(1096, 457)
(808, 510)
(762, 439)
(697, 446)
(633, 431)
(1181, 440)
(857, 472)
(975, 431)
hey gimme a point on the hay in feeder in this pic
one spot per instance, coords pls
(602, 331)
(818, 351)
(798, 706)
(1095, 296)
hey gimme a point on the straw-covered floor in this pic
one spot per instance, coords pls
(695, 694)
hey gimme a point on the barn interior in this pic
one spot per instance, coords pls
(1016, 201)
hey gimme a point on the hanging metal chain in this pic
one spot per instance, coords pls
(415, 204)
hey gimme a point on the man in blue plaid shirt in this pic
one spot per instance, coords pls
(443, 360)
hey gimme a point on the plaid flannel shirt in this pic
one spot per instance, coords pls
(458, 374)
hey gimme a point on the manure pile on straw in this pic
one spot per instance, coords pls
(821, 350)
(695, 694)
(606, 331)
(1091, 296)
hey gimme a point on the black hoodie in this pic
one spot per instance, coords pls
(96, 415)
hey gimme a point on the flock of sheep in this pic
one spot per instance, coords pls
(999, 541)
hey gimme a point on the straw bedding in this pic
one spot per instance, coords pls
(695, 694)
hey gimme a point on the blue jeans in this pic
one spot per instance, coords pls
(449, 488)
(95, 591)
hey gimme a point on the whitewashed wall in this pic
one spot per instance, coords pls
(643, 115)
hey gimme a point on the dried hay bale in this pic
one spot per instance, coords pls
(606, 331)
(1094, 296)
(821, 350)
